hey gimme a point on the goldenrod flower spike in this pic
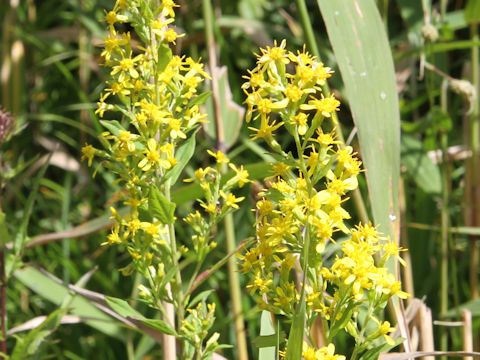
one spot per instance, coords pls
(152, 100)
(301, 211)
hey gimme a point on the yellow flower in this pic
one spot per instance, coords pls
(167, 8)
(219, 156)
(102, 106)
(266, 129)
(324, 353)
(126, 68)
(209, 208)
(126, 140)
(88, 153)
(260, 284)
(231, 200)
(241, 175)
(112, 17)
(152, 157)
(176, 129)
(325, 106)
(301, 121)
(293, 93)
(273, 54)
(114, 237)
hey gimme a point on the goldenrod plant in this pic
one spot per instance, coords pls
(152, 98)
(289, 242)
(300, 212)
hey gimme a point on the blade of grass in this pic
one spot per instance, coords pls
(359, 41)
(360, 44)
(54, 292)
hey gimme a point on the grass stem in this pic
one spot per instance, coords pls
(235, 290)
(444, 221)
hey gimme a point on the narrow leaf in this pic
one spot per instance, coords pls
(55, 292)
(472, 12)
(164, 57)
(4, 234)
(113, 126)
(295, 339)
(183, 156)
(160, 207)
(419, 165)
(123, 308)
(159, 325)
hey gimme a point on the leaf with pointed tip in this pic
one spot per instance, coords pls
(113, 126)
(183, 156)
(160, 207)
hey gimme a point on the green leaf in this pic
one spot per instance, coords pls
(30, 344)
(297, 329)
(419, 166)
(373, 354)
(4, 234)
(231, 113)
(123, 308)
(113, 126)
(472, 12)
(55, 292)
(164, 57)
(360, 44)
(159, 325)
(473, 306)
(200, 297)
(183, 156)
(266, 352)
(200, 99)
(160, 207)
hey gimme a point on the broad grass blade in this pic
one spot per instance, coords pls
(361, 47)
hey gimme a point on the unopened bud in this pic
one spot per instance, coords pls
(430, 32)
(466, 89)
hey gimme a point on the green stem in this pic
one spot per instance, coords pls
(177, 289)
(235, 289)
(294, 350)
(473, 170)
(64, 221)
(307, 27)
(445, 219)
(177, 308)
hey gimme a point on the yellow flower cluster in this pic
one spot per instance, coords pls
(301, 208)
(325, 353)
(272, 91)
(218, 201)
(356, 273)
(153, 97)
(195, 327)
(153, 103)
(292, 205)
